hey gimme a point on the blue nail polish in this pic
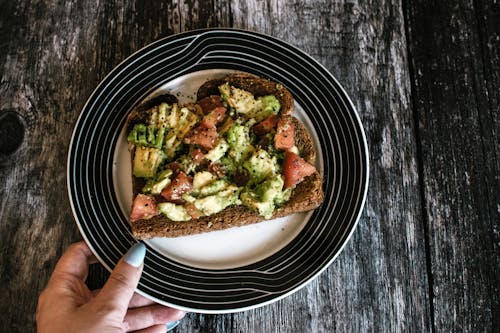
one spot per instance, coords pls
(172, 325)
(135, 256)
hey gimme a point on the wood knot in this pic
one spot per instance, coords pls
(11, 132)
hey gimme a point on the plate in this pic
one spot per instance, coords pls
(235, 269)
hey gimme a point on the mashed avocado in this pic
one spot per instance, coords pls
(238, 138)
(260, 166)
(157, 184)
(174, 212)
(242, 168)
(266, 196)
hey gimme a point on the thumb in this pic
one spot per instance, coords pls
(120, 287)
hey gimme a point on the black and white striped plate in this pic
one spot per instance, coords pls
(235, 269)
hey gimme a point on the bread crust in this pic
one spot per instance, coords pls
(306, 196)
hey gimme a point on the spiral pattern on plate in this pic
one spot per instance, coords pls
(343, 148)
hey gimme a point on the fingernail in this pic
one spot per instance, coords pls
(135, 256)
(172, 325)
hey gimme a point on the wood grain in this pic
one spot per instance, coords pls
(456, 81)
(425, 80)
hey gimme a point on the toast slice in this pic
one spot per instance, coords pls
(307, 195)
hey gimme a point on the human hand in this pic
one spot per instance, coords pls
(67, 305)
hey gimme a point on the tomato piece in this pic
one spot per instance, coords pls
(197, 156)
(285, 132)
(266, 125)
(204, 136)
(210, 103)
(181, 184)
(174, 166)
(214, 117)
(295, 169)
(217, 169)
(143, 207)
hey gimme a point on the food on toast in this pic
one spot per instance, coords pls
(237, 156)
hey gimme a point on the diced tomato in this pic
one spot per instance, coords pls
(285, 132)
(217, 169)
(180, 185)
(143, 207)
(214, 117)
(197, 156)
(204, 136)
(174, 166)
(295, 169)
(210, 103)
(266, 125)
(192, 210)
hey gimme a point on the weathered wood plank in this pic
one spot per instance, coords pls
(456, 80)
(42, 79)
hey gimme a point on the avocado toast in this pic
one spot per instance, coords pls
(235, 157)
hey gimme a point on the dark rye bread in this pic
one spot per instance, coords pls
(306, 196)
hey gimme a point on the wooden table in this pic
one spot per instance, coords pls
(425, 78)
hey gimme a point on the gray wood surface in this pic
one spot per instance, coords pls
(456, 104)
(425, 79)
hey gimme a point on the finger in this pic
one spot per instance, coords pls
(118, 290)
(153, 329)
(140, 318)
(136, 301)
(139, 300)
(74, 262)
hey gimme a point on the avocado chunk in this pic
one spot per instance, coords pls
(217, 202)
(265, 197)
(213, 187)
(202, 178)
(180, 121)
(187, 164)
(241, 100)
(174, 212)
(264, 208)
(157, 184)
(158, 116)
(283, 196)
(229, 165)
(238, 138)
(270, 189)
(265, 107)
(147, 136)
(260, 166)
(218, 151)
(153, 134)
(146, 161)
